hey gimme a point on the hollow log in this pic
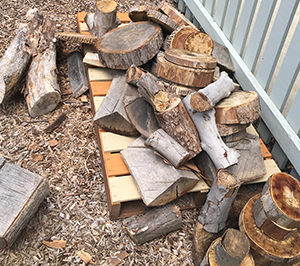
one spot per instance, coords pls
(157, 222)
(186, 76)
(215, 211)
(135, 43)
(170, 149)
(211, 141)
(208, 97)
(176, 121)
(240, 107)
(280, 200)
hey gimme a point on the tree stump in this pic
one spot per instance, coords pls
(208, 97)
(214, 212)
(282, 251)
(178, 37)
(187, 76)
(135, 43)
(199, 42)
(176, 121)
(157, 222)
(240, 107)
(280, 200)
(170, 149)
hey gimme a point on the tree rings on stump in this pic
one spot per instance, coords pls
(177, 38)
(240, 107)
(191, 77)
(199, 42)
(190, 59)
(135, 43)
(280, 251)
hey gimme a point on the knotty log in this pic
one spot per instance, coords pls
(232, 249)
(176, 121)
(77, 75)
(240, 107)
(158, 183)
(176, 39)
(141, 115)
(21, 193)
(157, 222)
(199, 42)
(111, 115)
(279, 251)
(211, 142)
(250, 165)
(269, 227)
(280, 200)
(208, 97)
(135, 43)
(223, 191)
(186, 76)
(167, 24)
(170, 149)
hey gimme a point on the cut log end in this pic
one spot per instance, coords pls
(199, 42)
(199, 102)
(106, 6)
(227, 179)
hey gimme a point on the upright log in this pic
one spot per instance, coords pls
(211, 142)
(215, 211)
(209, 96)
(157, 222)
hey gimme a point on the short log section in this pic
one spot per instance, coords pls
(176, 39)
(199, 42)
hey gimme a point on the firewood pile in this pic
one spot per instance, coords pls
(174, 90)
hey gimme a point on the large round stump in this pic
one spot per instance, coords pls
(135, 44)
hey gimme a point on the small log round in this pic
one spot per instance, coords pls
(177, 38)
(229, 129)
(135, 43)
(240, 107)
(199, 42)
(274, 250)
(191, 77)
(269, 227)
(281, 200)
(190, 59)
(167, 24)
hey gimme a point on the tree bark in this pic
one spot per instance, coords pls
(176, 121)
(170, 149)
(77, 37)
(135, 43)
(240, 107)
(186, 76)
(280, 200)
(157, 222)
(167, 24)
(215, 211)
(211, 141)
(229, 129)
(207, 98)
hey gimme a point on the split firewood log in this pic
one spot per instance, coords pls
(139, 13)
(221, 53)
(104, 19)
(211, 141)
(111, 115)
(199, 42)
(42, 91)
(169, 148)
(187, 76)
(283, 252)
(229, 129)
(135, 43)
(240, 107)
(230, 249)
(215, 211)
(157, 222)
(167, 24)
(208, 97)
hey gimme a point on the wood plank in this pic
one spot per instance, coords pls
(123, 17)
(92, 59)
(115, 165)
(279, 156)
(88, 48)
(101, 74)
(265, 152)
(99, 88)
(83, 27)
(80, 16)
(244, 25)
(258, 33)
(112, 142)
(251, 130)
(279, 32)
(97, 102)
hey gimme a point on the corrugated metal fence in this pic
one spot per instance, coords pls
(263, 37)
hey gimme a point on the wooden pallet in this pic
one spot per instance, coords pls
(123, 197)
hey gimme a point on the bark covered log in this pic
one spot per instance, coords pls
(167, 24)
(215, 211)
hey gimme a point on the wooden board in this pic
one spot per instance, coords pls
(97, 101)
(99, 88)
(102, 74)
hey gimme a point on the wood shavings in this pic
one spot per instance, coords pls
(55, 243)
(86, 257)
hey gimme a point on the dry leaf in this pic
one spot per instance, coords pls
(55, 243)
(53, 142)
(37, 157)
(86, 257)
(34, 147)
